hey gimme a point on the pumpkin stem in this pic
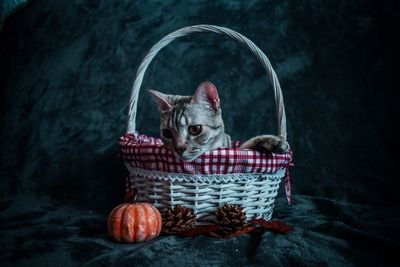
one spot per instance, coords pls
(135, 194)
(131, 195)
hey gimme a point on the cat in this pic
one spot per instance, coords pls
(192, 125)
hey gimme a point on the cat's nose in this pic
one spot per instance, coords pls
(180, 150)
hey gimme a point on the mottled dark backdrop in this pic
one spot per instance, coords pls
(67, 68)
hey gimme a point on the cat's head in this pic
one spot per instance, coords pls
(190, 125)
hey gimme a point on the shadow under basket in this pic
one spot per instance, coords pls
(233, 175)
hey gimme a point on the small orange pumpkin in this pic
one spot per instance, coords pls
(134, 222)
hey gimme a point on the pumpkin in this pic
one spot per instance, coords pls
(134, 222)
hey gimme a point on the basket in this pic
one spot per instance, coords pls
(224, 175)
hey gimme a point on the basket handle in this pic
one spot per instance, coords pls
(242, 40)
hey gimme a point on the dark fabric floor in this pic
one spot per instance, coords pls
(65, 75)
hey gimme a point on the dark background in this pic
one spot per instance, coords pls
(66, 72)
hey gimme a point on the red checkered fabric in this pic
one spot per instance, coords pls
(149, 153)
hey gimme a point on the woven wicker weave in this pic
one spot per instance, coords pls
(204, 193)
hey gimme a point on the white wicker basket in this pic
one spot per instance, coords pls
(204, 193)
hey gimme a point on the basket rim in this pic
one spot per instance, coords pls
(138, 139)
(205, 178)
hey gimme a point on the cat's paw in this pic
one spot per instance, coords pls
(267, 143)
(274, 144)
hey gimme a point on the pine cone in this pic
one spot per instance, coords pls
(177, 220)
(230, 217)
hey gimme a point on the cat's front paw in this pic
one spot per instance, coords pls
(274, 144)
(267, 143)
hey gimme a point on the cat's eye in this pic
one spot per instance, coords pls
(167, 133)
(195, 129)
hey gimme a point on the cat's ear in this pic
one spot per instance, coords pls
(161, 100)
(207, 92)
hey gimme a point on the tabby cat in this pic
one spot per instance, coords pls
(192, 125)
